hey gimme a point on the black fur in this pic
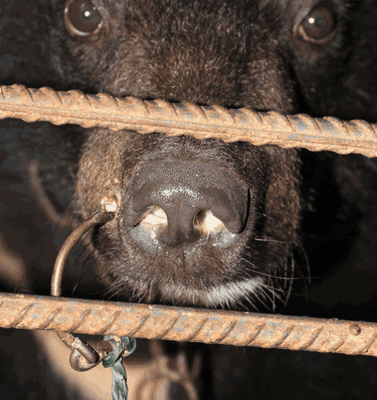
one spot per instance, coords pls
(237, 54)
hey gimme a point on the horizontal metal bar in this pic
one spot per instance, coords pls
(187, 324)
(230, 125)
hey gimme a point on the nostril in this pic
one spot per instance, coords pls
(153, 222)
(155, 217)
(207, 223)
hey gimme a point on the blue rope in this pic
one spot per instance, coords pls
(119, 388)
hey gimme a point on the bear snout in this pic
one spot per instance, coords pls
(177, 203)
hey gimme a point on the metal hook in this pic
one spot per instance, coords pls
(83, 356)
(73, 238)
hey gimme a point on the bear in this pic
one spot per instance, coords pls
(157, 234)
(231, 238)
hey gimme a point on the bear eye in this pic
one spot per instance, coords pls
(81, 17)
(318, 26)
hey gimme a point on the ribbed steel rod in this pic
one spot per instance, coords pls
(187, 324)
(188, 119)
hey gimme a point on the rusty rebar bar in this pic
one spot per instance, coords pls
(188, 119)
(187, 324)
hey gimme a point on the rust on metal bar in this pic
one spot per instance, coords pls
(187, 324)
(229, 125)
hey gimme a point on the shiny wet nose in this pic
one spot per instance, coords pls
(178, 198)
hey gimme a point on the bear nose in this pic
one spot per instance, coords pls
(178, 201)
(182, 206)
